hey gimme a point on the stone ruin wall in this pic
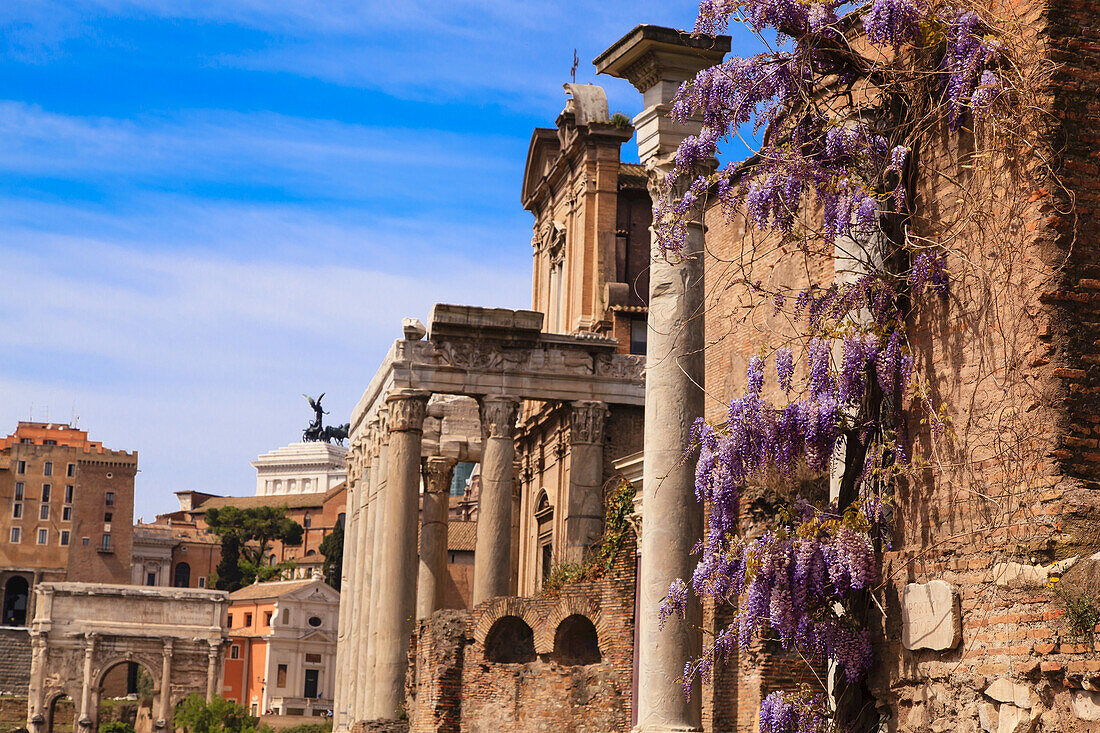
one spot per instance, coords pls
(1012, 355)
(453, 686)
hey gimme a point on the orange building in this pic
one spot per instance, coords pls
(282, 653)
(66, 512)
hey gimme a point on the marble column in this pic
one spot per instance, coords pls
(657, 61)
(493, 551)
(431, 576)
(165, 712)
(36, 713)
(397, 565)
(345, 641)
(375, 517)
(358, 676)
(584, 507)
(212, 670)
(86, 719)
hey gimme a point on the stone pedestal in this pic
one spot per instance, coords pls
(493, 551)
(657, 61)
(584, 508)
(397, 554)
(433, 535)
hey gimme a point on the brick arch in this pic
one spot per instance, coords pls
(569, 606)
(502, 607)
(106, 664)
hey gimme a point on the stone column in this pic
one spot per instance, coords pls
(375, 517)
(345, 641)
(165, 712)
(36, 713)
(397, 566)
(657, 61)
(430, 579)
(212, 670)
(584, 508)
(86, 719)
(493, 551)
(358, 676)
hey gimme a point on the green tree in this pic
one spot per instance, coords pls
(196, 715)
(332, 547)
(116, 726)
(247, 535)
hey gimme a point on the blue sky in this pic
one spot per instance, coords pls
(209, 207)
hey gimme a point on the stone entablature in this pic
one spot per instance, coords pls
(301, 468)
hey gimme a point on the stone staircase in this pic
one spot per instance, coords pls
(15, 660)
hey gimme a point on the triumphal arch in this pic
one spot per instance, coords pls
(81, 631)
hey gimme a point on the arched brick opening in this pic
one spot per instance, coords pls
(182, 576)
(510, 641)
(576, 641)
(16, 600)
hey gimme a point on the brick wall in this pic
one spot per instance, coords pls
(15, 661)
(453, 686)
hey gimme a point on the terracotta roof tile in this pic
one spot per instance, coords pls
(274, 589)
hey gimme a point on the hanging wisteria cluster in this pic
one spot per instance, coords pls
(803, 580)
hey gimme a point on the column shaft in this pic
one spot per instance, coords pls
(398, 563)
(377, 516)
(672, 519)
(86, 718)
(165, 711)
(345, 641)
(433, 536)
(584, 510)
(211, 672)
(35, 688)
(493, 551)
(360, 674)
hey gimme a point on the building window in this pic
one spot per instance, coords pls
(70, 471)
(280, 676)
(235, 651)
(43, 536)
(230, 621)
(16, 511)
(150, 579)
(107, 516)
(84, 541)
(248, 620)
(45, 492)
(47, 469)
(314, 621)
(182, 577)
(69, 494)
(105, 544)
(22, 467)
(66, 514)
(313, 659)
(16, 535)
(306, 521)
(19, 491)
(64, 538)
(109, 499)
(49, 442)
(638, 335)
(202, 581)
(286, 617)
(267, 618)
(44, 512)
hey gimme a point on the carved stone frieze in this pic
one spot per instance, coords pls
(407, 412)
(498, 416)
(620, 366)
(586, 421)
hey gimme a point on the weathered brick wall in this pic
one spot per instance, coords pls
(455, 687)
(15, 661)
(1011, 357)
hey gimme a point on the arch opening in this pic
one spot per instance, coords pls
(16, 596)
(576, 641)
(126, 697)
(181, 577)
(510, 641)
(60, 714)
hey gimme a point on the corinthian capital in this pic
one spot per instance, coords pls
(498, 416)
(438, 472)
(407, 412)
(586, 421)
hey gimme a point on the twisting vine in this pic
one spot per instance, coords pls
(843, 99)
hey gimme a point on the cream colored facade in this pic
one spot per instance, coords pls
(300, 468)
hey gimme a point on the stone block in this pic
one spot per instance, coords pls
(1011, 719)
(1086, 705)
(1018, 575)
(931, 617)
(1005, 690)
(987, 716)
